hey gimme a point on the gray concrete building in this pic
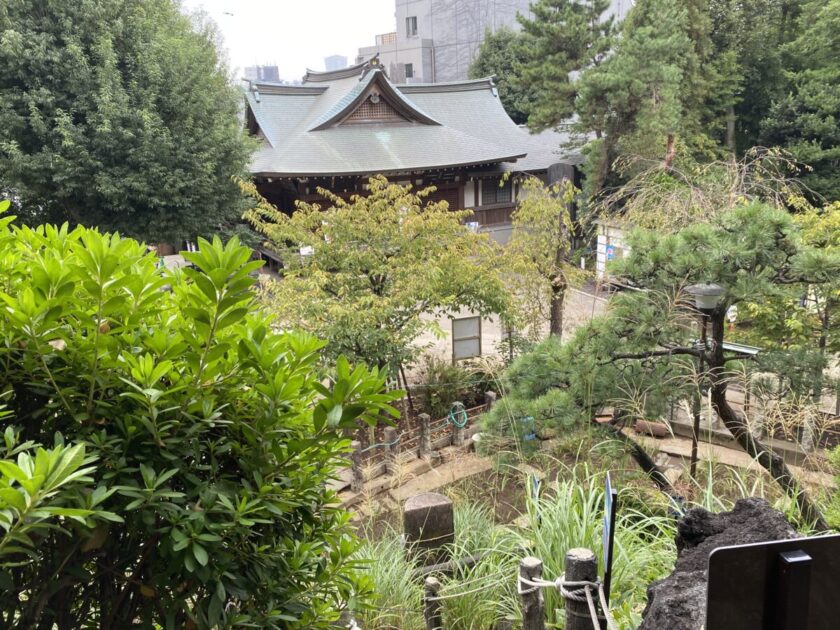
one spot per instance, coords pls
(437, 40)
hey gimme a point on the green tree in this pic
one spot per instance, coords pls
(118, 114)
(747, 36)
(805, 119)
(208, 438)
(642, 356)
(499, 57)
(367, 274)
(563, 37)
(540, 247)
(634, 100)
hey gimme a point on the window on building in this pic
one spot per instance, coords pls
(493, 191)
(466, 338)
(411, 26)
(409, 70)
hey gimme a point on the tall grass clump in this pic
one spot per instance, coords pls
(569, 514)
(719, 486)
(397, 594)
(478, 596)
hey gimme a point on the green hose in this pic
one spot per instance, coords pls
(458, 416)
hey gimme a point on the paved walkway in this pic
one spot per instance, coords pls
(681, 447)
(461, 466)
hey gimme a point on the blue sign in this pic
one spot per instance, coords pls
(608, 540)
(610, 252)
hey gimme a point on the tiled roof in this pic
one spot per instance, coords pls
(445, 125)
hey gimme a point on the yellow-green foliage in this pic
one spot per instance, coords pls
(540, 248)
(376, 263)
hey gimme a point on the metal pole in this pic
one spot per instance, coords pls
(695, 434)
(581, 566)
(431, 607)
(533, 615)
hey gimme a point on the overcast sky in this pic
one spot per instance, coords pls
(296, 34)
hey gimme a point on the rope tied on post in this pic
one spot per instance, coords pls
(579, 591)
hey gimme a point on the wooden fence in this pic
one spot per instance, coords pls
(586, 604)
(421, 441)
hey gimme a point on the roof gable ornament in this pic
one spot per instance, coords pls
(373, 100)
(373, 109)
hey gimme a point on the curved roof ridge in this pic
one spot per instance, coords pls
(485, 83)
(269, 87)
(319, 76)
(350, 101)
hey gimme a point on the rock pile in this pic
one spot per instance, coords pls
(679, 601)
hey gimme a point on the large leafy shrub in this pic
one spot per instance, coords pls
(212, 439)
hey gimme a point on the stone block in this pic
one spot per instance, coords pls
(428, 525)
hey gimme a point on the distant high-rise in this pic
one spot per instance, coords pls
(263, 73)
(335, 62)
(437, 40)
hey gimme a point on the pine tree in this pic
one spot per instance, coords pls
(499, 56)
(806, 119)
(564, 37)
(633, 101)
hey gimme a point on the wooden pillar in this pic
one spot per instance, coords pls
(458, 410)
(431, 606)
(392, 439)
(533, 615)
(425, 448)
(581, 566)
(489, 400)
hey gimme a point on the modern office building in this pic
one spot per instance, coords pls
(437, 40)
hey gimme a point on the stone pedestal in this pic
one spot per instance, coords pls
(428, 525)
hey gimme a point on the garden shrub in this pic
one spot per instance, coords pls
(444, 383)
(208, 442)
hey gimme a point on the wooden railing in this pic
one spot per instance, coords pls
(497, 214)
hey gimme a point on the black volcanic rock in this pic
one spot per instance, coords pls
(679, 601)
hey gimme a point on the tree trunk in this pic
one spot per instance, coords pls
(670, 152)
(558, 298)
(638, 453)
(603, 169)
(730, 130)
(737, 426)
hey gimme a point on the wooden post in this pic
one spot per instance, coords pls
(392, 438)
(457, 432)
(425, 448)
(357, 480)
(533, 615)
(431, 607)
(489, 400)
(581, 565)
